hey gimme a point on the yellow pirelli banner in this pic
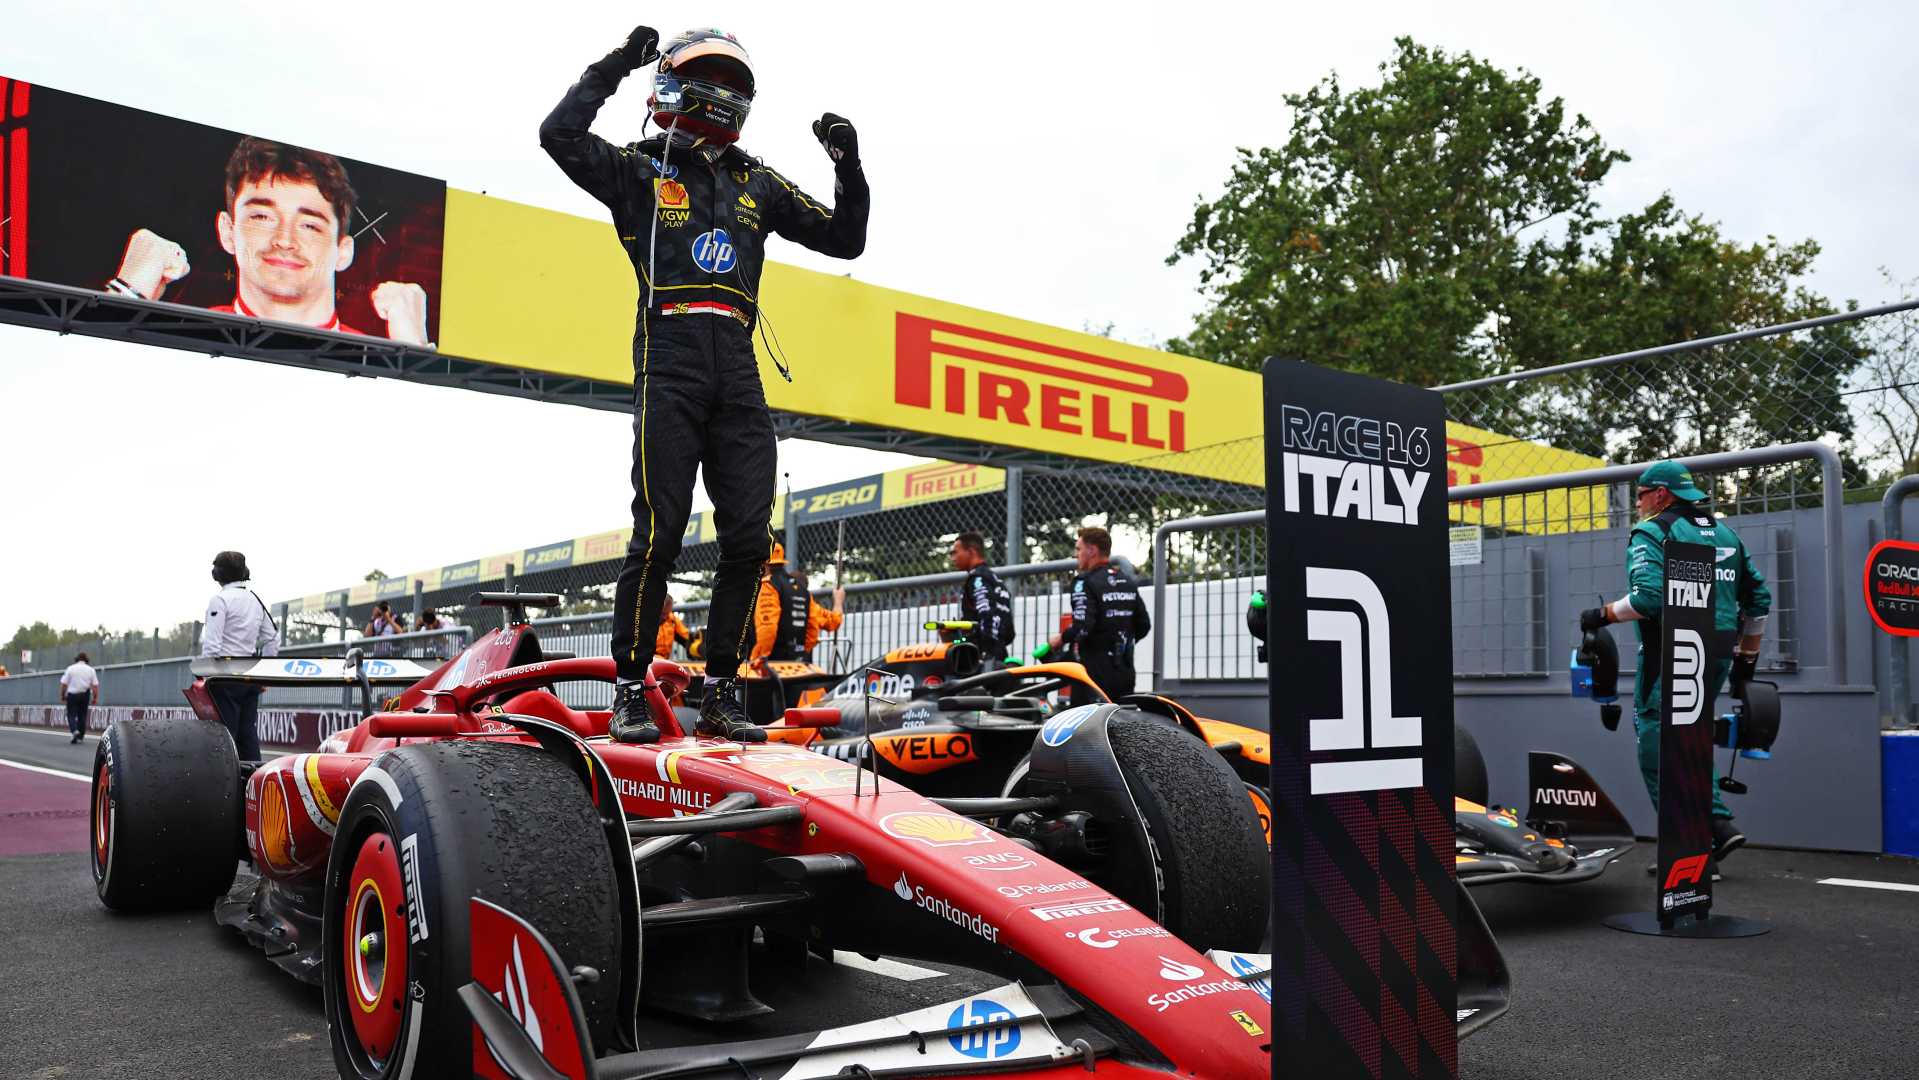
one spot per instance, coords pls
(553, 292)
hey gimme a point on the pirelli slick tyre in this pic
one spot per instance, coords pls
(424, 829)
(1469, 767)
(1205, 872)
(165, 817)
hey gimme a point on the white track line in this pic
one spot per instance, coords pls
(50, 772)
(45, 731)
(1858, 883)
(892, 969)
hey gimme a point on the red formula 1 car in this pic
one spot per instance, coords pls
(471, 873)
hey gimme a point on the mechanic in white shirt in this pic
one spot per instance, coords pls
(80, 686)
(238, 624)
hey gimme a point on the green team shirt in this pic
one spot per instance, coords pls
(1739, 589)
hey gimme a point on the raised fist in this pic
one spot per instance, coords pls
(152, 262)
(640, 48)
(403, 305)
(836, 134)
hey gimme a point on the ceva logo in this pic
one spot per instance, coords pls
(300, 667)
(990, 1031)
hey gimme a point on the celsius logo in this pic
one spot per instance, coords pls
(713, 252)
(988, 1029)
(1364, 638)
(1564, 797)
(1370, 453)
(1688, 675)
(1060, 728)
(300, 667)
(1091, 937)
(1174, 971)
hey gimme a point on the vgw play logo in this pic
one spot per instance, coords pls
(1352, 466)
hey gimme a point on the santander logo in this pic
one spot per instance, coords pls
(1175, 971)
(903, 889)
(514, 997)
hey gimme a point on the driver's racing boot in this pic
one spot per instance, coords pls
(631, 722)
(722, 714)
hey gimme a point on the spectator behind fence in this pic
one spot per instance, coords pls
(429, 621)
(238, 624)
(384, 623)
(81, 687)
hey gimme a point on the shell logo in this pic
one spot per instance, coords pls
(935, 830)
(276, 836)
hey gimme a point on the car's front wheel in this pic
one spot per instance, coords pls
(426, 828)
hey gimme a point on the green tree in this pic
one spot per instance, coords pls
(1442, 226)
(1394, 223)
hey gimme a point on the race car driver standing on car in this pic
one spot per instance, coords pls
(1109, 618)
(693, 212)
(984, 601)
(1673, 506)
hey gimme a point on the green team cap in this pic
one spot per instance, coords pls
(1674, 477)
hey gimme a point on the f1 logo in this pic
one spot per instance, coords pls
(1689, 869)
(1365, 688)
(1688, 676)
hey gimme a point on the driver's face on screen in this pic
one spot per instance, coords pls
(285, 239)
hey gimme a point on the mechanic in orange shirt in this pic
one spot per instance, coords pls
(672, 629)
(786, 620)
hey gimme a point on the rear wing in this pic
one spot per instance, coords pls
(310, 670)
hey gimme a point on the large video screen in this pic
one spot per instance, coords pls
(101, 196)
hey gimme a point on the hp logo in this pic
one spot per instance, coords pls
(378, 669)
(1365, 717)
(713, 252)
(991, 1031)
(300, 667)
(1242, 966)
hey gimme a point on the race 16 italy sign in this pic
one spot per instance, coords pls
(1359, 623)
(1892, 587)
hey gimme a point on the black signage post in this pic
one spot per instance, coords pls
(1682, 900)
(1365, 977)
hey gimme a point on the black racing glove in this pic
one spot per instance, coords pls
(836, 134)
(640, 48)
(1592, 619)
(1744, 667)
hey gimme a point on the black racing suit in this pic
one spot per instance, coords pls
(1108, 619)
(985, 602)
(697, 398)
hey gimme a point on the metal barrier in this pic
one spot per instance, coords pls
(1501, 617)
(1899, 666)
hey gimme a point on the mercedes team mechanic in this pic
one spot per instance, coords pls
(984, 600)
(1672, 506)
(693, 212)
(1109, 617)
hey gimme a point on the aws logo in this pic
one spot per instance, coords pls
(1360, 628)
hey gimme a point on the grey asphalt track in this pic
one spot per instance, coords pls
(1833, 991)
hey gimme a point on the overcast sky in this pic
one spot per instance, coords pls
(1034, 159)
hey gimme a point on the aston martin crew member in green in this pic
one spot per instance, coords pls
(1671, 505)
